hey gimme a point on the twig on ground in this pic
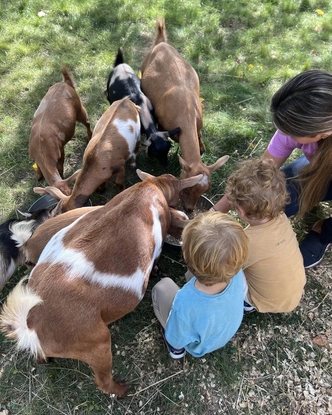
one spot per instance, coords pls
(6, 171)
(320, 303)
(156, 383)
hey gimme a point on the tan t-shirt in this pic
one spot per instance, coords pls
(274, 268)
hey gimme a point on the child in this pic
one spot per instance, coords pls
(274, 268)
(207, 311)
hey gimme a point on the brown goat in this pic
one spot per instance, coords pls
(172, 85)
(53, 126)
(115, 140)
(92, 273)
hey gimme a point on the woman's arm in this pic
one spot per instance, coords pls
(279, 161)
(223, 206)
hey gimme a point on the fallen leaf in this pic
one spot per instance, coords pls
(320, 340)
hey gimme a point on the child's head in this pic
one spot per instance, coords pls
(214, 247)
(259, 188)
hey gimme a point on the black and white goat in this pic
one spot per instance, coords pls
(122, 82)
(13, 234)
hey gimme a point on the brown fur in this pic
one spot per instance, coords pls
(104, 156)
(33, 247)
(53, 126)
(71, 314)
(172, 85)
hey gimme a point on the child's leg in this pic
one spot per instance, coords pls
(245, 291)
(188, 275)
(163, 294)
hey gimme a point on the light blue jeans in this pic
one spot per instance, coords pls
(292, 170)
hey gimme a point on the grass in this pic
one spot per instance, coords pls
(243, 51)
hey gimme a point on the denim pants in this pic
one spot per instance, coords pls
(292, 208)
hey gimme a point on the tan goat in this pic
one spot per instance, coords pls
(172, 85)
(53, 126)
(115, 140)
(92, 273)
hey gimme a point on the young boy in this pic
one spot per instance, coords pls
(274, 267)
(207, 311)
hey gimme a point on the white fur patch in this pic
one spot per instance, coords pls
(21, 231)
(78, 266)
(204, 180)
(14, 316)
(62, 136)
(130, 131)
(42, 107)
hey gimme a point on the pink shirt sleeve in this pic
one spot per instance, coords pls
(281, 146)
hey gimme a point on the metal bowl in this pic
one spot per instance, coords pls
(44, 202)
(47, 202)
(203, 205)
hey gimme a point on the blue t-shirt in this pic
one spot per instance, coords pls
(202, 323)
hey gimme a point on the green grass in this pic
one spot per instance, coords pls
(243, 52)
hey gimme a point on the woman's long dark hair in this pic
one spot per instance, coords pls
(302, 107)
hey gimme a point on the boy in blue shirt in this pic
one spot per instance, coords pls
(207, 311)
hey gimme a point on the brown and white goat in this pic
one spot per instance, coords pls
(115, 140)
(92, 273)
(53, 126)
(172, 85)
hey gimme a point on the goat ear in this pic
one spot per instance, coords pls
(51, 190)
(147, 142)
(73, 177)
(174, 134)
(143, 175)
(25, 214)
(190, 181)
(57, 210)
(220, 162)
(184, 164)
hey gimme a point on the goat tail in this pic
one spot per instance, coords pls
(13, 319)
(119, 58)
(67, 76)
(160, 31)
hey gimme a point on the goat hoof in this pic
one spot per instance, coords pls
(119, 390)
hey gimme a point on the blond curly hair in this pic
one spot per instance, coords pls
(259, 188)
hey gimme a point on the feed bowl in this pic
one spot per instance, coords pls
(43, 202)
(47, 202)
(203, 205)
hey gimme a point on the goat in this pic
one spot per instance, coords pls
(115, 140)
(31, 250)
(53, 126)
(122, 82)
(13, 234)
(91, 273)
(172, 85)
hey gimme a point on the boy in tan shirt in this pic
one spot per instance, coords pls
(274, 269)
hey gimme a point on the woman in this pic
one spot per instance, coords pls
(302, 113)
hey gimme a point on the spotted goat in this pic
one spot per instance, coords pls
(122, 82)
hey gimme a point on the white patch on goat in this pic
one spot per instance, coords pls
(130, 131)
(21, 231)
(204, 180)
(14, 314)
(62, 136)
(77, 265)
(42, 107)
(156, 233)
(11, 268)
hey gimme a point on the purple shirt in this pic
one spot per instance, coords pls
(281, 146)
